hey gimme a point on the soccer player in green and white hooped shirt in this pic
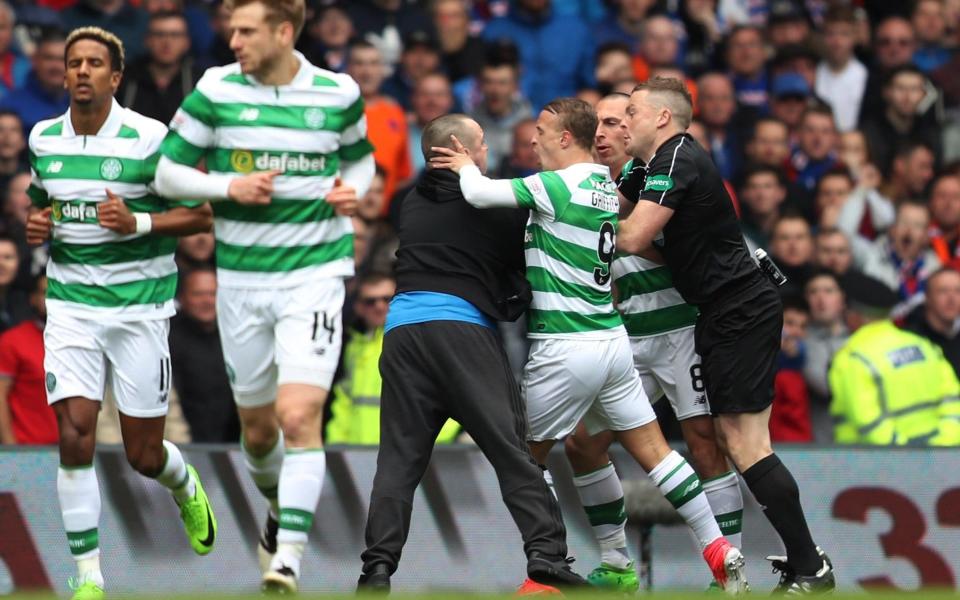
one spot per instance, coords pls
(110, 293)
(278, 135)
(660, 326)
(581, 367)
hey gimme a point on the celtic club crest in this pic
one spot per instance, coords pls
(111, 169)
(314, 118)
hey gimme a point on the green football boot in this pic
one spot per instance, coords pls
(198, 520)
(88, 590)
(616, 580)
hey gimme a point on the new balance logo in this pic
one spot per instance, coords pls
(691, 488)
(249, 114)
(55, 166)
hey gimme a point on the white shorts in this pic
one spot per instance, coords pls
(669, 365)
(83, 356)
(275, 336)
(594, 380)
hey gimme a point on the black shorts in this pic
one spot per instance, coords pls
(738, 339)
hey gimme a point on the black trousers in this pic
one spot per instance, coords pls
(449, 369)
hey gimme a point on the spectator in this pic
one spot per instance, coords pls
(888, 386)
(43, 95)
(614, 66)
(769, 145)
(800, 59)
(13, 66)
(764, 191)
(386, 122)
(377, 240)
(832, 251)
(119, 17)
(894, 44)
(815, 152)
(419, 58)
(791, 245)
(220, 53)
(556, 52)
(25, 416)
(789, 98)
(826, 334)
(431, 98)
(195, 251)
(13, 222)
(700, 22)
(199, 374)
(355, 410)
(945, 219)
(522, 161)
(16, 205)
(832, 192)
(900, 121)
(462, 53)
(626, 25)
(938, 318)
(746, 59)
(868, 213)
(787, 23)
(930, 26)
(12, 144)
(790, 413)
(384, 23)
(501, 107)
(330, 33)
(197, 17)
(659, 47)
(156, 85)
(902, 258)
(14, 303)
(717, 105)
(855, 156)
(841, 78)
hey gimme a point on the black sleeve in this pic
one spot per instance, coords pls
(670, 174)
(631, 182)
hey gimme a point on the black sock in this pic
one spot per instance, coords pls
(776, 490)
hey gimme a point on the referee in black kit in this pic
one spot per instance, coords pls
(459, 270)
(684, 211)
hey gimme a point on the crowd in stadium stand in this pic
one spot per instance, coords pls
(836, 124)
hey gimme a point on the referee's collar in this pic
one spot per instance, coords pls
(682, 134)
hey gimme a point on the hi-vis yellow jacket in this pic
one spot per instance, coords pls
(893, 387)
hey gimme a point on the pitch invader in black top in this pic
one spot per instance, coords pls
(684, 211)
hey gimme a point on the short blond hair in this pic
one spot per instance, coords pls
(672, 94)
(102, 36)
(278, 11)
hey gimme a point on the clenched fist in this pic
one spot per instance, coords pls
(39, 225)
(255, 188)
(115, 216)
(343, 198)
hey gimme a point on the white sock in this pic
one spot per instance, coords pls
(175, 475)
(548, 477)
(301, 480)
(602, 497)
(723, 493)
(79, 494)
(265, 472)
(681, 486)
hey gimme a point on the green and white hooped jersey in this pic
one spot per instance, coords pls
(94, 272)
(303, 129)
(570, 243)
(646, 298)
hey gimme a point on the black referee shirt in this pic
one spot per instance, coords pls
(701, 243)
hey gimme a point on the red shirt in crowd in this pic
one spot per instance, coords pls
(21, 360)
(790, 416)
